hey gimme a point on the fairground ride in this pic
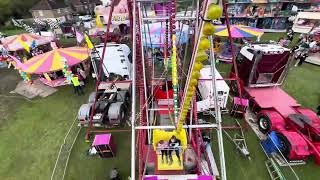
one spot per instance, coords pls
(167, 94)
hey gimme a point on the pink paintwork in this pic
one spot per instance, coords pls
(120, 13)
(206, 178)
(237, 100)
(277, 121)
(299, 146)
(151, 178)
(273, 97)
(101, 139)
(54, 83)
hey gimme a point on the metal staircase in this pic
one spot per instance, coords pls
(274, 171)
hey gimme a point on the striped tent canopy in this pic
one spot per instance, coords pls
(54, 60)
(13, 43)
(238, 31)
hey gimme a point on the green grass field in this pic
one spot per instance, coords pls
(10, 32)
(32, 132)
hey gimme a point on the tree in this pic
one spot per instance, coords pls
(15, 9)
(5, 11)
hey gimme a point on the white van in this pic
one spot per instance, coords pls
(116, 60)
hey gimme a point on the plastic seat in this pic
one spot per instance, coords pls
(238, 107)
(166, 135)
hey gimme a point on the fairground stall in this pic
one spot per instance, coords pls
(119, 21)
(238, 32)
(30, 43)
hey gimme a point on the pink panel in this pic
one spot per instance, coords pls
(166, 111)
(151, 178)
(298, 144)
(101, 139)
(237, 100)
(54, 83)
(313, 116)
(278, 123)
(205, 178)
(273, 97)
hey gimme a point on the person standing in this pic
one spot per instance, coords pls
(76, 84)
(114, 174)
(82, 73)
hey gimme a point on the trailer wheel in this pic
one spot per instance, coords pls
(285, 144)
(123, 96)
(264, 123)
(122, 114)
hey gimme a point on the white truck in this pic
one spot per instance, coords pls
(206, 90)
(113, 96)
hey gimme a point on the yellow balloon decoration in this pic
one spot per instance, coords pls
(214, 11)
(174, 76)
(201, 56)
(195, 75)
(204, 44)
(208, 29)
(198, 66)
(194, 82)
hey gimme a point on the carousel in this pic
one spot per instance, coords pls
(56, 67)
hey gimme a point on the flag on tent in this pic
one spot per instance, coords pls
(33, 44)
(18, 63)
(24, 45)
(79, 37)
(89, 43)
(98, 22)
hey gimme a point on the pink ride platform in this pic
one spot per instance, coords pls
(177, 177)
(275, 98)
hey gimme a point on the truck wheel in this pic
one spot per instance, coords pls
(116, 113)
(122, 114)
(123, 96)
(264, 123)
(285, 145)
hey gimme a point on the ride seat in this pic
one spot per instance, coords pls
(166, 135)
